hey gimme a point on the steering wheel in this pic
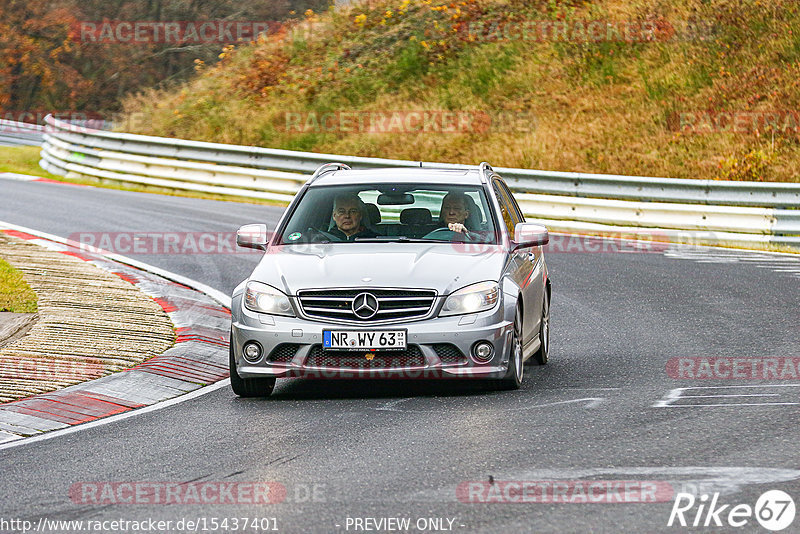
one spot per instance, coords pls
(443, 233)
(318, 235)
(447, 234)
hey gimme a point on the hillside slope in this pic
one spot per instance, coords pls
(683, 88)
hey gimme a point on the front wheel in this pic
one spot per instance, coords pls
(516, 367)
(543, 354)
(249, 387)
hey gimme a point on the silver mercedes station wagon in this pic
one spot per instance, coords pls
(393, 273)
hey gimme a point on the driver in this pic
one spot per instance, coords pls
(348, 214)
(455, 211)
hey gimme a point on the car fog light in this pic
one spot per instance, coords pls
(482, 351)
(252, 352)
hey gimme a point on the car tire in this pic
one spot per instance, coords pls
(543, 354)
(249, 387)
(516, 366)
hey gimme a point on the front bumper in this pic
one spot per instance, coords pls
(425, 336)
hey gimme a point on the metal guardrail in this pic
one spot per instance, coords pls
(14, 133)
(706, 211)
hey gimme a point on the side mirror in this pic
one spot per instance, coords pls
(530, 235)
(252, 236)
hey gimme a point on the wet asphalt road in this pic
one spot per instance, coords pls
(349, 450)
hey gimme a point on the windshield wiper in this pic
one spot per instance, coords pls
(399, 238)
(384, 238)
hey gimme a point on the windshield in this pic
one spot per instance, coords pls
(391, 213)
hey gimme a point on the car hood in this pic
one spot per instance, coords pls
(440, 266)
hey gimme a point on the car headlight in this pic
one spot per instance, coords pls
(471, 299)
(262, 298)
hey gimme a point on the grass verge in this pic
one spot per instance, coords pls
(652, 106)
(15, 294)
(23, 160)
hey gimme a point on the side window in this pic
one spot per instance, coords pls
(513, 201)
(510, 217)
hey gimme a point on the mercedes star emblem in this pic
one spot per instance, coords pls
(365, 305)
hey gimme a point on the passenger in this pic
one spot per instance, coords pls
(349, 212)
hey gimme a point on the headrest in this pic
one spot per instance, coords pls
(474, 220)
(416, 216)
(373, 213)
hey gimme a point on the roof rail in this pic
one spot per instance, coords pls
(486, 171)
(328, 167)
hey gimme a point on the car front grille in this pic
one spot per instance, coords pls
(449, 353)
(343, 359)
(283, 353)
(392, 304)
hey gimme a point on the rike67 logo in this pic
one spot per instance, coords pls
(774, 510)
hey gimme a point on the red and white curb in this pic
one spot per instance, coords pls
(30, 178)
(198, 358)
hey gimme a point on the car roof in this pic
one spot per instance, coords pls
(400, 175)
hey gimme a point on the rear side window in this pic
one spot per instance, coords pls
(512, 200)
(511, 215)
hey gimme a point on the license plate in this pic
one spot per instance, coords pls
(364, 339)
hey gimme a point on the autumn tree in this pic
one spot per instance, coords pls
(45, 65)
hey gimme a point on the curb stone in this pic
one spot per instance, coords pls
(198, 358)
